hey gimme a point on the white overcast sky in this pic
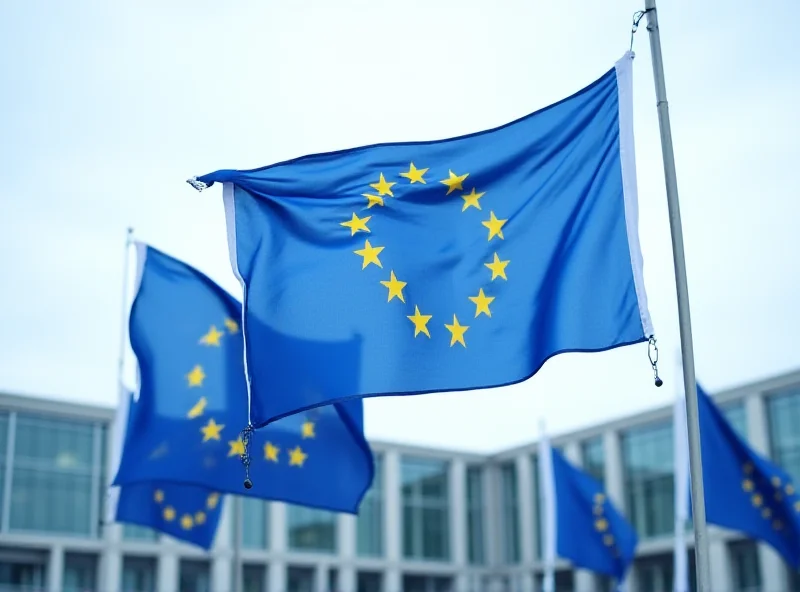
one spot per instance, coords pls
(107, 107)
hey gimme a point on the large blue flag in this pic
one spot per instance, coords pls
(459, 264)
(590, 531)
(744, 491)
(187, 512)
(192, 404)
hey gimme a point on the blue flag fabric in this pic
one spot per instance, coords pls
(459, 264)
(186, 512)
(744, 491)
(193, 402)
(590, 531)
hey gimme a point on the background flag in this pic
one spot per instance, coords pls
(459, 264)
(192, 403)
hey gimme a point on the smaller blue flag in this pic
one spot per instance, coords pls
(192, 403)
(743, 490)
(590, 531)
(187, 512)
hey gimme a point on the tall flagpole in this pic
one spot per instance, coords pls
(681, 463)
(547, 516)
(123, 329)
(684, 317)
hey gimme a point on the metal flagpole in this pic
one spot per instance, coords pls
(684, 318)
(237, 543)
(123, 331)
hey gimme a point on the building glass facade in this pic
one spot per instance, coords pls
(370, 516)
(52, 457)
(475, 516)
(426, 508)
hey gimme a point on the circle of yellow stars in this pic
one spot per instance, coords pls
(370, 254)
(761, 499)
(187, 520)
(212, 431)
(601, 524)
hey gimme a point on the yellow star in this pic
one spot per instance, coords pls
(212, 337)
(495, 226)
(601, 524)
(197, 409)
(414, 174)
(471, 200)
(212, 501)
(599, 498)
(776, 481)
(169, 513)
(231, 325)
(187, 522)
(382, 187)
(608, 540)
(757, 500)
(766, 512)
(373, 200)
(797, 506)
(482, 302)
(199, 518)
(598, 510)
(271, 452)
(212, 430)
(297, 457)
(395, 287)
(237, 447)
(196, 376)
(356, 224)
(747, 485)
(308, 429)
(158, 496)
(498, 267)
(454, 182)
(789, 489)
(457, 332)
(420, 322)
(370, 255)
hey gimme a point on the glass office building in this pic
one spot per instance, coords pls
(434, 520)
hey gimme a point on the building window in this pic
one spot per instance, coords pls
(594, 459)
(254, 578)
(3, 453)
(745, 566)
(426, 507)
(254, 516)
(80, 572)
(419, 583)
(369, 581)
(649, 479)
(475, 515)
(139, 574)
(784, 417)
(510, 508)
(195, 576)
(311, 529)
(736, 415)
(564, 581)
(370, 516)
(134, 532)
(22, 569)
(538, 524)
(300, 579)
(52, 479)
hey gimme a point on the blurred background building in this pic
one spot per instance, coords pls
(434, 521)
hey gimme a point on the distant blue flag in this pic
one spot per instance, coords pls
(590, 531)
(192, 404)
(459, 264)
(743, 490)
(187, 512)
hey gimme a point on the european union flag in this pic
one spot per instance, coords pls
(460, 264)
(590, 531)
(193, 402)
(744, 491)
(187, 512)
